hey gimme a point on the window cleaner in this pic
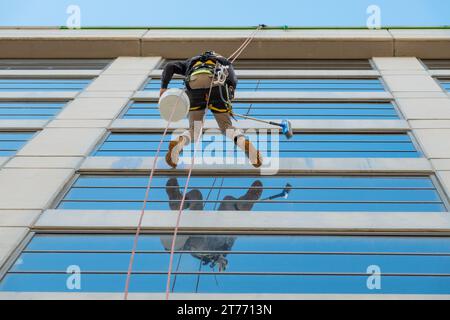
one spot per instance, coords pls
(208, 78)
(232, 58)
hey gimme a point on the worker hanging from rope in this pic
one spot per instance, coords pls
(209, 77)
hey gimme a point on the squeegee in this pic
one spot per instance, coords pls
(285, 125)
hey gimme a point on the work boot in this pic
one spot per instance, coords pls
(175, 148)
(251, 152)
(253, 194)
(193, 199)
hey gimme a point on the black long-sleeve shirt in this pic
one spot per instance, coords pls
(183, 67)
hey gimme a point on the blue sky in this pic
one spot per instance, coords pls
(225, 13)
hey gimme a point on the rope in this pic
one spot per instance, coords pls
(183, 199)
(245, 44)
(234, 56)
(144, 205)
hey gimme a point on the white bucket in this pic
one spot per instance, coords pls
(174, 98)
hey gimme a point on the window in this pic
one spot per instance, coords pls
(294, 85)
(29, 110)
(53, 64)
(14, 84)
(250, 264)
(305, 145)
(281, 110)
(257, 193)
(296, 64)
(445, 84)
(436, 64)
(11, 142)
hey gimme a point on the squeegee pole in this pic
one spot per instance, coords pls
(256, 119)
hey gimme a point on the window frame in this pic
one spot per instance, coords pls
(254, 77)
(24, 130)
(49, 77)
(394, 104)
(64, 103)
(409, 133)
(67, 187)
(10, 261)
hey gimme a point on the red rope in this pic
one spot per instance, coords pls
(236, 54)
(180, 209)
(147, 191)
(144, 205)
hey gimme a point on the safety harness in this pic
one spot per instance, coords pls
(206, 71)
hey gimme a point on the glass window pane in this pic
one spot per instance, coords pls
(301, 145)
(446, 84)
(296, 85)
(11, 142)
(275, 110)
(274, 193)
(14, 85)
(248, 263)
(15, 110)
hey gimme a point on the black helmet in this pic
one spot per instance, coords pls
(208, 55)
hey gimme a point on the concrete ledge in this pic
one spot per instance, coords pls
(298, 44)
(55, 43)
(289, 96)
(262, 222)
(34, 95)
(202, 296)
(20, 125)
(156, 125)
(63, 48)
(426, 44)
(283, 165)
(440, 73)
(71, 74)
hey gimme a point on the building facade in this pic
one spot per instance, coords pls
(358, 206)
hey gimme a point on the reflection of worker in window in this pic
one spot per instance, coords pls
(194, 201)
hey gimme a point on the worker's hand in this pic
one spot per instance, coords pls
(231, 92)
(161, 91)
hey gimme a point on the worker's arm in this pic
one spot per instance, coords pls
(232, 78)
(176, 67)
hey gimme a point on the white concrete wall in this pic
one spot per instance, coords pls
(426, 107)
(30, 181)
